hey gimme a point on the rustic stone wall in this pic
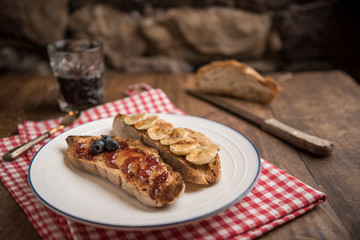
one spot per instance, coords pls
(161, 36)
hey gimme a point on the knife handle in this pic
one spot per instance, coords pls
(14, 153)
(298, 138)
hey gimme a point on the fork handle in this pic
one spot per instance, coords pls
(14, 153)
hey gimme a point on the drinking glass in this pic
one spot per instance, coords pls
(78, 67)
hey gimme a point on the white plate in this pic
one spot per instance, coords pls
(92, 200)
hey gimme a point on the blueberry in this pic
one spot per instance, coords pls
(111, 145)
(97, 146)
(105, 138)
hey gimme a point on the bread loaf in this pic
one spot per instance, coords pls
(235, 79)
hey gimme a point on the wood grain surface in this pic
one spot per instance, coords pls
(325, 104)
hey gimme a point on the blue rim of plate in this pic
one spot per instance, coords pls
(147, 227)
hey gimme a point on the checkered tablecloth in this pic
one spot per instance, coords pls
(276, 198)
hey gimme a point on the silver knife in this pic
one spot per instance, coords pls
(68, 119)
(316, 145)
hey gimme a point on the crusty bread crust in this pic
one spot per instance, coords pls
(97, 165)
(199, 174)
(236, 79)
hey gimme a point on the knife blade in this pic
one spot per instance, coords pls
(300, 139)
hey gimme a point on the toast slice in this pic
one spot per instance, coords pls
(193, 155)
(137, 168)
(237, 80)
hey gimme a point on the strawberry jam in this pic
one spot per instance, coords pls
(110, 159)
(134, 163)
(82, 151)
(148, 170)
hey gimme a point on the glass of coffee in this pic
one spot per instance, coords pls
(78, 67)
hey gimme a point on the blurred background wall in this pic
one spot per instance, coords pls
(161, 36)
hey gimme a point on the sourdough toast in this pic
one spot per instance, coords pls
(137, 168)
(188, 152)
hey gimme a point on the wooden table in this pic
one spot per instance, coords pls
(326, 104)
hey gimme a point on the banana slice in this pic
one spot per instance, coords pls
(132, 119)
(202, 155)
(177, 135)
(160, 130)
(147, 122)
(203, 140)
(183, 147)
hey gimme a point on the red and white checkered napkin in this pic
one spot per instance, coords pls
(276, 198)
